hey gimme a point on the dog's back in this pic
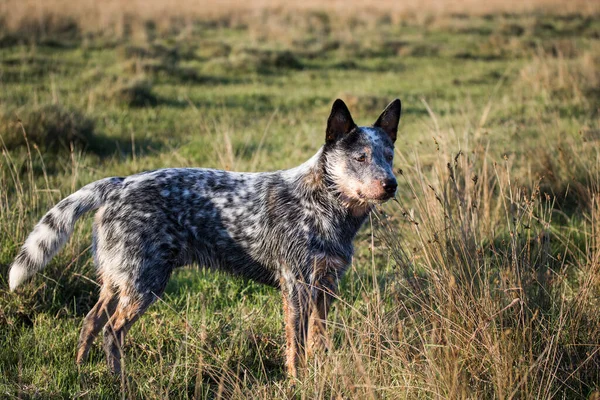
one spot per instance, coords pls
(245, 223)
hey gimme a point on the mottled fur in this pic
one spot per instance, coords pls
(292, 229)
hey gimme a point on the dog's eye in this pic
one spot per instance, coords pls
(389, 158)
(361, 158)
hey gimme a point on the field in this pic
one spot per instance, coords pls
(481, 281)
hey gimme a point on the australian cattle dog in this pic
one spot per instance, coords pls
(292, 229)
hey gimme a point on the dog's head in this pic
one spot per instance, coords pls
(358, 160)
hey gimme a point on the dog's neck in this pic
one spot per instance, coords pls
(313, 179)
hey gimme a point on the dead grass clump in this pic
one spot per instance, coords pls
(565, 26)
(512, 29)
(136, 92)
(281, 59)
(46, 27)
(564, 170)
(496, 47)
(209, 49)
(409, 49)
(52, 127)
(312, 48)
(173, 53)
(8, 39)
(159, 68)
(286, 25)
(162, 60)
(364, 103)
(256, 60)
(573, 80)
(566, 48)
(420, 50)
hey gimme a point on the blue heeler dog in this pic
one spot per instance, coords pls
(291, 229)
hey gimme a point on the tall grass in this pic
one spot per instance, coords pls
(495, 312)
(484, 295)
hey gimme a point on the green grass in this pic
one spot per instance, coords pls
(428, 307)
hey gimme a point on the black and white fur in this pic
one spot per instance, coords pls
(291, 229)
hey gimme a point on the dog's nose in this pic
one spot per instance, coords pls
(389, 186)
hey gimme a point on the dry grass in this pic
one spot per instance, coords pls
(126, 18)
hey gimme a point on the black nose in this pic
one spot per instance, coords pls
(390, 186)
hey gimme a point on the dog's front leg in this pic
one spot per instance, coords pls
(323, 295)
(296, 308)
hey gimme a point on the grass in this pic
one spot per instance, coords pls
(482, 281)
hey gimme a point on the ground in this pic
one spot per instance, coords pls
(482, 280)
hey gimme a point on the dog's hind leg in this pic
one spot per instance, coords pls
(127, 313)
(95, 321)
(130, 308)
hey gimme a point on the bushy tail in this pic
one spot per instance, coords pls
(55, 228)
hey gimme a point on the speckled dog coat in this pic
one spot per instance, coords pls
(291, 229)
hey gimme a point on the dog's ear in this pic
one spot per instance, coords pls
(339, 122)
(389, 119)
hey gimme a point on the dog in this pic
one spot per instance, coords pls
(292, 229)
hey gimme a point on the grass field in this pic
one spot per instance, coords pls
(482, 281)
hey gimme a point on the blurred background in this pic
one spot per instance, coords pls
(482, 281)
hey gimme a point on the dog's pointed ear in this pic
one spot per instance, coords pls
(339, 122)
(389, 119)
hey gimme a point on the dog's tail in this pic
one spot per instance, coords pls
(55, 228)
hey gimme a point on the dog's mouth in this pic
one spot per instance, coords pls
(378, 200)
